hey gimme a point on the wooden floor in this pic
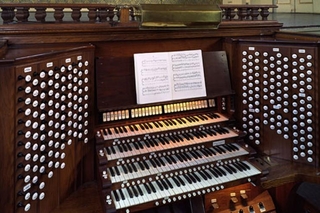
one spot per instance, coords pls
(84, 200)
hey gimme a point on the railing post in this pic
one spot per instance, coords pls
(40, 14)
(264, 13)
(58, 14)
(103, 14)
(22, 14)
(92, 14)
(7, 14)
(76, 14)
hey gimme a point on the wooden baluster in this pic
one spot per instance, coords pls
(230, 13)
(58, 14)
(264, 13)
(111, 13)
(7, 14)
(131, 14)
(40, 14)
(242, 13)
(22, 14)
(223, 13)
(92, 14)
(76, 14)
(255, 13)
(103, 14)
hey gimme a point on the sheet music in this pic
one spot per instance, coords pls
(165, 76)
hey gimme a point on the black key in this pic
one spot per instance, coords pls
(147, 143)
(141, 166)
(124, 146)
(124, 169)
(129, 147)
(195, 118)
(141, 126)
(157, 162)
(131, 128)
(162, 162)
(211, 170)
(134, 167)
(187, 178)
(168, 159)
(228, 169)
(181, 181)
(162, 141)
(147, 188)
(129, 168)
(112, 171)
(159, 123)
(108, 150)
(166, 123)
(116, 196)
(179, 121)
(104, 132)
(211, 150)
(156, 124)
(218, 172)
(232, 168)
(135, 192)
(176, 181)
(159, 185)
(168, 183)
(120, 148)
(140, 144)
(204, 152)
(136, 146)
(109, 131)
(164, 184)
(197, 153)
(145, 164)
(152, 187)
(139, 190)
(113, 150)
(153, 163)
(172, 158)
(238, 167)
(121, 194)
(203, 175)
(207, 174)
(130, 192)
(151, 143)
(221, 170)
(192, 177)
(193, 155)
(212, 131)
(117, 170)
(245, 165)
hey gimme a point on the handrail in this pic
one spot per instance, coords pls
(113, 14)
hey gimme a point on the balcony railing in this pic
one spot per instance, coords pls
(97, 13)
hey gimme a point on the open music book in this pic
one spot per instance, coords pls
(165, 76)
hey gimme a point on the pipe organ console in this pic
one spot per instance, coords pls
(158, 154)
(69, 115)
(46, 109)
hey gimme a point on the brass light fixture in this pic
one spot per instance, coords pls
(178, 16)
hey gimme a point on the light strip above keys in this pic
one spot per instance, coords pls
(141, 112)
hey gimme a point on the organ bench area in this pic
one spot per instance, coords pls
(69, 118)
